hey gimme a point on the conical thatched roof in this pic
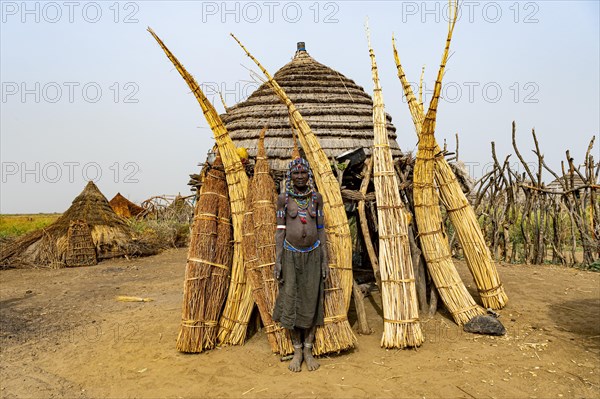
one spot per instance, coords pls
(125, 208)
(110, 233)
(92, 207)
(339, 112)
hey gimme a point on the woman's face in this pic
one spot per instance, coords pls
(300, 178)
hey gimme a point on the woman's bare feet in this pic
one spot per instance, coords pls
(311, 362)
(296, 363)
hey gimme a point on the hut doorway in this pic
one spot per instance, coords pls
(81, 250)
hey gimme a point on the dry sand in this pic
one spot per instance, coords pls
(63, 334)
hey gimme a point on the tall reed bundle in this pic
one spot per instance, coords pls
(234, 321)
(336, 335)
(401, 327)
(208, 265)
(461, 213)
(259, 248)
(477, 254)
(427, 210)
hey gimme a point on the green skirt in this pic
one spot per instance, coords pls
(300, 300)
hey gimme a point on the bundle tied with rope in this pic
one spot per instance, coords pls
(433, 239)
(208, 265)
(233, 324)
(401, 327)
(461, 213)
(259, 249)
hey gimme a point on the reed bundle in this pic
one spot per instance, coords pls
(427, 210)
(401, 327)
(336, 335)
(461, 213)
(234, 321)
(208, 265)
(259, 248)
(477, 254)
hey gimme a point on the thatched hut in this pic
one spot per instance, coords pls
(568, 182)
(89, 225)
(125, 208)
(339, 112)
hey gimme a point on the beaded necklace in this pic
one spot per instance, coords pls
(301, 199)
(302, 203)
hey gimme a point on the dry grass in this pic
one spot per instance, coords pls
(12, 226)
(157, 235)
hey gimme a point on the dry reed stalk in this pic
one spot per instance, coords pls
(234, 321)
(336, 335)
(259, 248)
(461, 213)
(364, 226)
(427, 210)
(208, 265)
(401, 327)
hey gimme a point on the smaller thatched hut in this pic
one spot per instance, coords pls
(125, 208)
(87, 232)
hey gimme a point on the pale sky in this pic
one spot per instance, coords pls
(88, 94)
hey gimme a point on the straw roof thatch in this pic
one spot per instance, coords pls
(125, 208)
(557, 185)
(339, 112)
(111, 234)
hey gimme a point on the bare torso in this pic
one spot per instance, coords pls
(300, 222)
(298, 234)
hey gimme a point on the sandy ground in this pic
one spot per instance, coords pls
(63, 334)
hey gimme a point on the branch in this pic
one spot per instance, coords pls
(514, 143)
